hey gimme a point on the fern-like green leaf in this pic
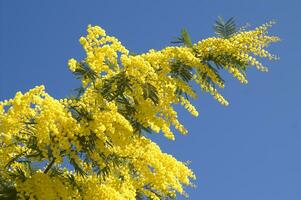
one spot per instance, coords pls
(83, 71)
(150, 91)
(183, 39)
(225, 29)
(181, 71)
(186, 38)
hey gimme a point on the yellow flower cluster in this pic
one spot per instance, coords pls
(123, 95)
(43, 186)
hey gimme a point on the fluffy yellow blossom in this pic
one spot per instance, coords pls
(102, 132)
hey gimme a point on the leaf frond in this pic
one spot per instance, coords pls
(225, 29)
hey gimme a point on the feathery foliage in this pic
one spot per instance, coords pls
(225, 29)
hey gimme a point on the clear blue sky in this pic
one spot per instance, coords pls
(247, 151)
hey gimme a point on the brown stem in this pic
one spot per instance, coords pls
(49, 166)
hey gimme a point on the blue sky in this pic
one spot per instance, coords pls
(247, 151)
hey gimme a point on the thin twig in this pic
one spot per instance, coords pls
(49, 166)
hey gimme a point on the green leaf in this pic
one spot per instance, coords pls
(122, 84)
(139, 196)
(72, 181)
(181, 71)
(228, 59)
(183, 39)
(88, 143)
(83, 71)
(77, 168)
(18, 173)
(80, 113)
(7, 191)
(56, 171)
(80, 91)
(150, 91)
(220, 79)
(186, 38)
(225, 29)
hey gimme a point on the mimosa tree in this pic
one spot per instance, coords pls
(95, 145)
